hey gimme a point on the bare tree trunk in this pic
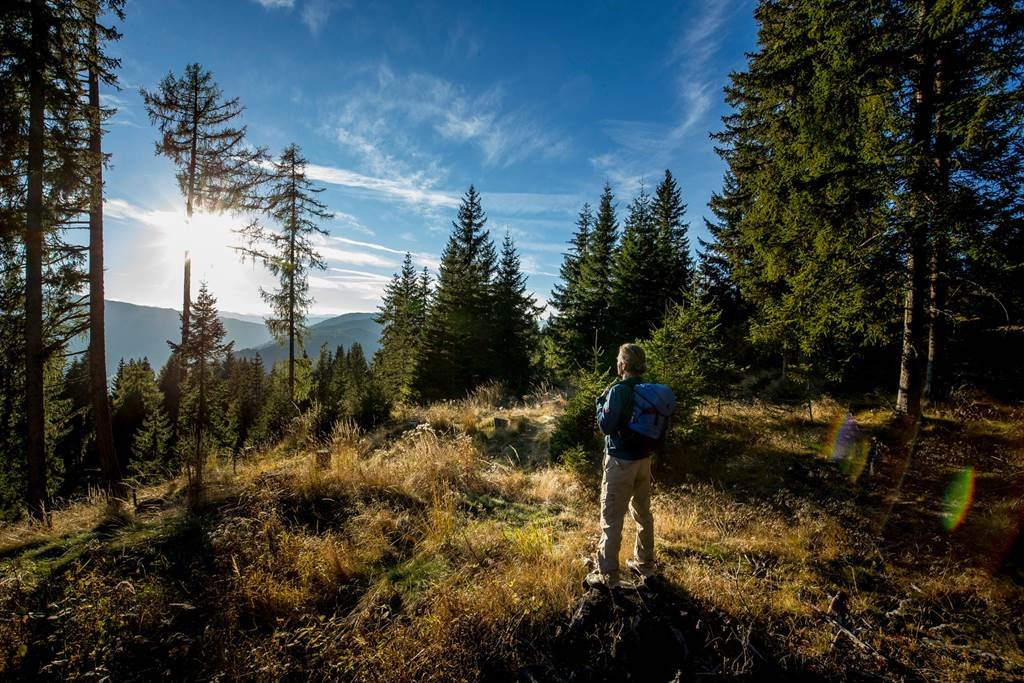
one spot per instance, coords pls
(293, 228)
(109, 465)
(936, 384)
(908, 400)
(186, 303)
(911, 387)
(35, 442)
(935, 387)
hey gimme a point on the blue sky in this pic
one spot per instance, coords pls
(400, 106)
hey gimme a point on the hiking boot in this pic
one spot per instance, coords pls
(644, 571)
(596, 579)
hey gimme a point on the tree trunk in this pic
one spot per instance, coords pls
(109, 465)
(35, 441)
(911, 386)
(293, 228)
(935, 387)
(936, 384)
(197, 479)
(185, 305)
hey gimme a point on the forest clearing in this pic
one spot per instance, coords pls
(444, 547)
(337, 340)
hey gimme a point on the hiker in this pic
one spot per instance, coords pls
(627, 472)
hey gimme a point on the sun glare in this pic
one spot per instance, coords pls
(209, 240)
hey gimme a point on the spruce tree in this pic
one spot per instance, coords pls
(289, 253)
(458, 343)
(216, 169)
(808, 234)
(566, 327)
(515, 321)
(595, 281)
(401, 315)
(673, 241)
(638, 289)
(203, 349)
(136, 399)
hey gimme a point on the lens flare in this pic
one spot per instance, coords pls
(847, 447)
(959, 496)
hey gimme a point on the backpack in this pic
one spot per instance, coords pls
(649, 415)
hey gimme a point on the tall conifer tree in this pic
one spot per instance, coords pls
(566, 327)
(458, 343)
(515, 321)
(199, 131)
(290, 252)
(203, 350)
(401, 314)
(673, 239)
(638, 287)
(595, 279)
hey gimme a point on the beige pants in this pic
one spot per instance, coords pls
(626, 483)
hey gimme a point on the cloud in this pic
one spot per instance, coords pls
(421, 259)
(397, 111)
(270, 4)
(315, 14)
(355, 258)
(353, 223)
(402, 188)
(646, 147)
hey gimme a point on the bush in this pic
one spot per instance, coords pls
(581, 461)
(577, 427)
(686, 353)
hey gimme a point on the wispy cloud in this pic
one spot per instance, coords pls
(400, 188)
(315, 14)
(353, 223)
(385, 104)
(354, 258)
(644, 146)
(276, 3)
(421, 259)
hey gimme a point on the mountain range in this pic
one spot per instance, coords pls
(135, 331)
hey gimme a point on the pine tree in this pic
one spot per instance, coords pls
(595, 280)
(216, 169)
(637, 296)
(458, 343)
(203, 349)
(515, 321)
(290, 253)
(401, 314)
(566, 327)
(668, 211)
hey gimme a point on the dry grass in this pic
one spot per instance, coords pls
(450, 551)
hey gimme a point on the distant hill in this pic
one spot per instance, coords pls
(135, 331)
(342, 330)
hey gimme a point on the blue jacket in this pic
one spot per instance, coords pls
(614, 408)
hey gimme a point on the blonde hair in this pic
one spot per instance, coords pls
(633, 358)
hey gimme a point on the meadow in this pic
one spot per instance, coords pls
(447, 546)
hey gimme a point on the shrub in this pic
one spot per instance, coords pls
(686, 353)
(577, 427)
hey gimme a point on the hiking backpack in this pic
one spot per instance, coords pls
(653, 405)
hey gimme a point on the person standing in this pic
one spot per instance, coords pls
(626, 482)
